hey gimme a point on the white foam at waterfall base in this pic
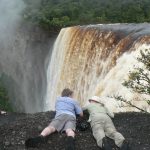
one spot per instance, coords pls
(112, 83)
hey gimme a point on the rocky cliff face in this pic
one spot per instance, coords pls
(23, 65)
(16, 128)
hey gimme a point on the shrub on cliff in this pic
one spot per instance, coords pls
(139, 78)
(4, 99)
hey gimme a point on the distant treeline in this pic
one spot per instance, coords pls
(55, 14)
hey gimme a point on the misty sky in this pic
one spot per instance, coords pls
(10, 14)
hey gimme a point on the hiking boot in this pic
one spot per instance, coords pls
(125, 145)
(34, 142)
(70, 143)
(105, 144)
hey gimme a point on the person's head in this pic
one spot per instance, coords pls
(67, 93)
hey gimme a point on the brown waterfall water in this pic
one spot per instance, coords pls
(95, 60)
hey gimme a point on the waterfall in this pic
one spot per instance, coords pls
(95, 60)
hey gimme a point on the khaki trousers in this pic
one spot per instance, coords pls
(103, 126)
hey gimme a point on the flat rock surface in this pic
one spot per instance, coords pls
(15, 128)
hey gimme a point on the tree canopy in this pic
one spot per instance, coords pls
(55, 14)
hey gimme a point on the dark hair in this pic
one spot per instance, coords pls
(66, 92)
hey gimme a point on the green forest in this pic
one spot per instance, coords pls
(4, 99)
(55, 14)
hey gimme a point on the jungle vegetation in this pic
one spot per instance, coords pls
(55, 14)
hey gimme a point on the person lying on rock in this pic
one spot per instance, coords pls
(102, 125)
(65, 120)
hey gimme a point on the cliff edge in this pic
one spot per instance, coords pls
(15, 128)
